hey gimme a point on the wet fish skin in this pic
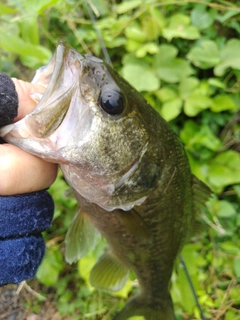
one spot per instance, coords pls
(129, 172)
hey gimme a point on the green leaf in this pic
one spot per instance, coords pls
(168, 67)
(236, 265)
(140, 74)
(126, 6)
(50, 268)
(230, 247)
(190, 254)
(205, 56)
(190, 129)
(229, 56)
(207, 139)
(132, 45)
(215, 82)
(124, 292)
(150, 47)
(179, 27)
(227, 15)
(225, 209)
(135, 33)
(187, 86)
(38, 6)
(171, 109)
(166, 94)
(153, 23)
(224, 170)
(15, 44)
(31, 62)
(199, 168)
(234, 291)
(231, 315)
(237, 190)
(222, 102)
(195, 103)
(29, 29)
(84, 267)
(181, 292)
(194, 135)
(62, 200)
(202, 18)
(6, 9)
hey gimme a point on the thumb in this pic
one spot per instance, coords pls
(24, 90)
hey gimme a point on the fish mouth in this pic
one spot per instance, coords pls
(59, 77)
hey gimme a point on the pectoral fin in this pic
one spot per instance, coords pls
(80, 238)
(109, 274)
(135, 225)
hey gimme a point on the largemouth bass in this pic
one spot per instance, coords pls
(128, 170)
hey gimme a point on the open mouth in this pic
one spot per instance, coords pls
(60, 76)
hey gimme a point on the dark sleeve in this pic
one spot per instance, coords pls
(22, 219)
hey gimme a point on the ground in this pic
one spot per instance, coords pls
(15, 299)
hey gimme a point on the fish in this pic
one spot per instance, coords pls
(128, 170)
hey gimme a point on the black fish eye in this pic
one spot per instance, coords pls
(112, 101)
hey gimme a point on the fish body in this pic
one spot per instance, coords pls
(127, 168)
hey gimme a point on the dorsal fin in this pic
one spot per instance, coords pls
(135, 225)
(81, 237)
(109, 273)
(201, 194)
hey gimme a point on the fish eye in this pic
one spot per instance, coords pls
(112, 101)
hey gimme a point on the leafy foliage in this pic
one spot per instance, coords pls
(184, 58)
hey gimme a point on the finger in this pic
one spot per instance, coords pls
(21, 172)
(24, 90)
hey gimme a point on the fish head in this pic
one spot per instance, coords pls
(93, 123)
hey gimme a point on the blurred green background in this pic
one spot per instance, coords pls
(184, 57)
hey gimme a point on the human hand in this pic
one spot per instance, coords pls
(21, 172)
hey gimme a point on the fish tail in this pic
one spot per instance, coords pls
(148, 310)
